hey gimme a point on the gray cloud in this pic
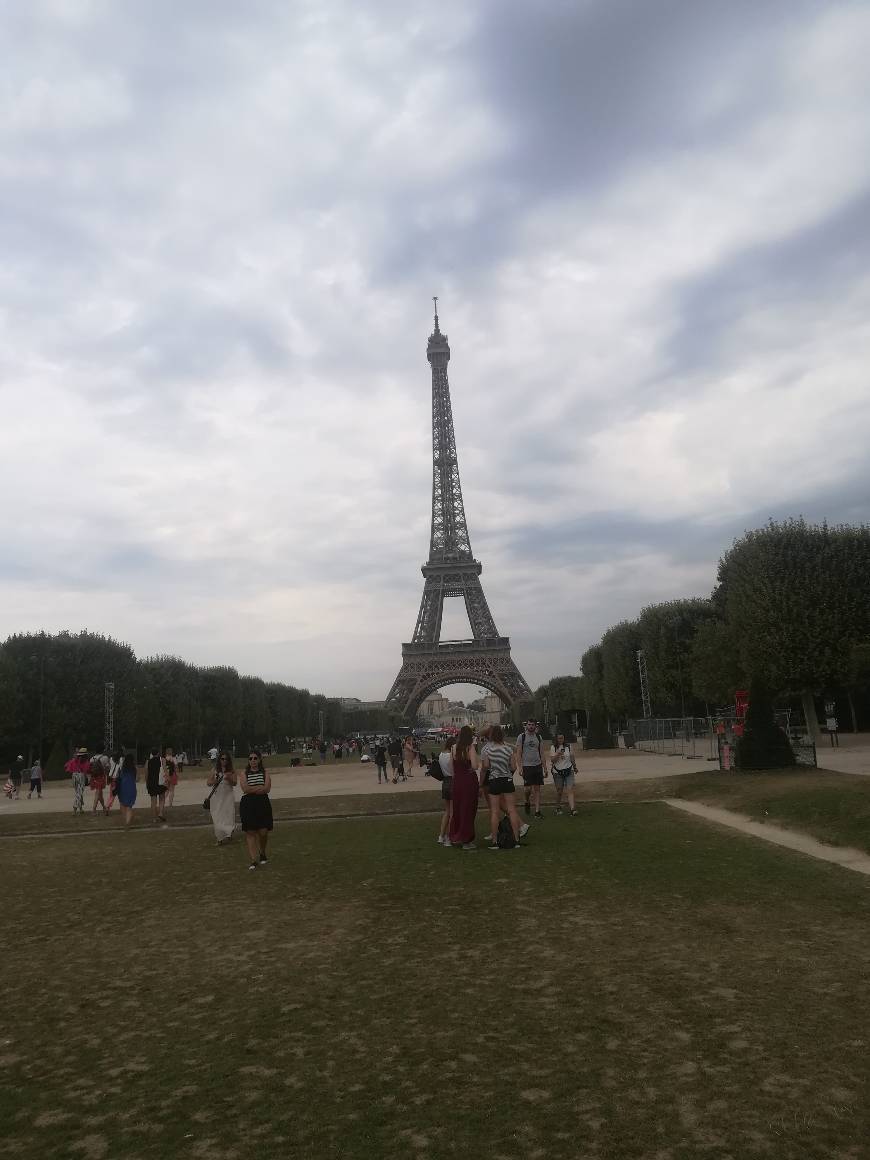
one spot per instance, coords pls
(221, 226)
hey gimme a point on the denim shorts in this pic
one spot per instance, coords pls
(562, 778)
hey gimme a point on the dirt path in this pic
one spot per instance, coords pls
(845, 856)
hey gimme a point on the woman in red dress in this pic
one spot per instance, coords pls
(465, 790)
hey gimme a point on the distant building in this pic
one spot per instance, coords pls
(355, 705)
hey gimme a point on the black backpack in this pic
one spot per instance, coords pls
(504, 837)
(434, 770)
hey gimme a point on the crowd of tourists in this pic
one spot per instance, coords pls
(477, 769)
(472, 768)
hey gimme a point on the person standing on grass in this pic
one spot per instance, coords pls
(35, 780)
(156, 785)
(466, 790)
(125, 787)
(445, 760)
(499, 762)
(563, 769)
(381, 761)
(255, 809)
(222, 802)
(530, 759)
(170, 773)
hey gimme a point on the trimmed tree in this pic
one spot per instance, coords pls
(763, 744)
(797, 598)
(598, 736)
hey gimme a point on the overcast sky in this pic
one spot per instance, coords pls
(221, 227)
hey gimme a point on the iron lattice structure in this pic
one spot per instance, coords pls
(451, 570)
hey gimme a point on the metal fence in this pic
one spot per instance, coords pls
(674, 736)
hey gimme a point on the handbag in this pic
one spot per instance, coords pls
(205, 804)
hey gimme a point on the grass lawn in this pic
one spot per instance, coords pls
(633, 984)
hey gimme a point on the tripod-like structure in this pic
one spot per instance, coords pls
(428, 662)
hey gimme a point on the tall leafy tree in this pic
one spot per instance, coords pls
(797, 597)
(621, 678)
(666, 633)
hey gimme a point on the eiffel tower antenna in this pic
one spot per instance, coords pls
(451, 570)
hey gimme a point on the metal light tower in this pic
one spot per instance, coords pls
(109, 718)
(644, 684)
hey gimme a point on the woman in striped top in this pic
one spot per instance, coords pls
(499, 761)
(255, 809)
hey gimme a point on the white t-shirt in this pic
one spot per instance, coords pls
(561, 757)
(445, 760)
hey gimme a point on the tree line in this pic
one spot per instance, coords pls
(791, 606)
(52, 698)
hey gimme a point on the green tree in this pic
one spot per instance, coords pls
(592, 667)
(798, 598)
(714, 663)
(666, 633)
(621, 678)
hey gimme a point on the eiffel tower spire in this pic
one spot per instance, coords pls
(451, 570)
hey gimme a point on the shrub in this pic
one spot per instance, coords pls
(598, 736)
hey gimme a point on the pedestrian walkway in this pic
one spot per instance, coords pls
(356, 777)
(845, 856)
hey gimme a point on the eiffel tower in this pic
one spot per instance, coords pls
(428, 662)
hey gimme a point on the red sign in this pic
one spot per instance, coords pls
(741, 699)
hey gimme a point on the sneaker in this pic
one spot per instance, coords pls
(493, 846)
(446, 842)
(253, 866)
(559, 812)
(524, 829)
(573, 813)
(489, 838)
(264, 861)
(469, 846)
(440, 839)
(538, 814)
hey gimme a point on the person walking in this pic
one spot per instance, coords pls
(125, 787)
(381, 761)
(79, 768)
(466, 790)
(563, 768)
(530, 759)
(114, 774)
(409, 755)
(499, 762)
(35, 779)
(99, 776)
(445, 760)
(255, 809)
(395, 751)
(222, 801)
(170, 768)
(155, 783)
(16, 776)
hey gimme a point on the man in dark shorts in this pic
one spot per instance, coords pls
(381, 761)
(532, 761)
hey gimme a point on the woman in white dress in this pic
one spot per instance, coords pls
(223, 800)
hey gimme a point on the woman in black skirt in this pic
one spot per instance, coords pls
(255, 809)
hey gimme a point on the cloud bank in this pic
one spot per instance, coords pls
(649, 227)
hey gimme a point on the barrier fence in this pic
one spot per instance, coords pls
(674, 736)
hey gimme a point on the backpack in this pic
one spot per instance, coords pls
(434, 770)
(504, 837)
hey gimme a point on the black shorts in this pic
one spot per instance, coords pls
(447, 789)
(255, 811)
(500, 785)
(533, 775)
(155, 790)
